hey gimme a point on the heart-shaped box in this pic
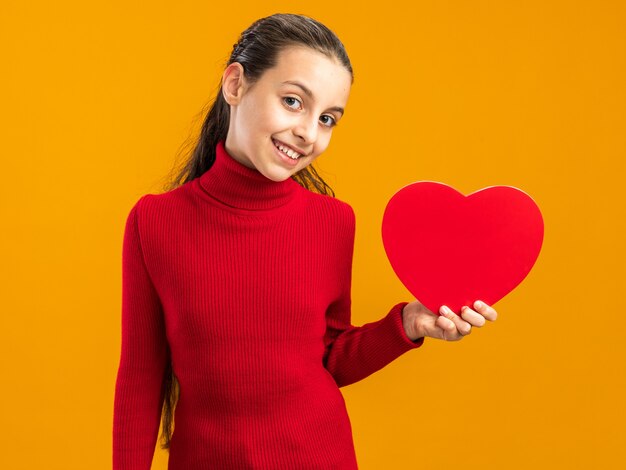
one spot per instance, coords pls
(450, 249)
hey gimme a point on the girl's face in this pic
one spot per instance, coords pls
(294, 105)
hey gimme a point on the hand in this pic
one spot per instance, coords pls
(420, 322)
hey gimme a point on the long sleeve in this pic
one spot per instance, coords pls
(354, 352)
(244, 284)
(144, 352)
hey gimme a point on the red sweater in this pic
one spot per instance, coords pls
(244, 284)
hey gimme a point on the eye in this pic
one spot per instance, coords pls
(289, 100)
(331, 121)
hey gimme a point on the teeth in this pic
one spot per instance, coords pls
(287, 151)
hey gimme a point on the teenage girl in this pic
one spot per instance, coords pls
(236, 282)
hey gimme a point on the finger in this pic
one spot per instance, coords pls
(463, 327)
(446, 324)
(472, 317)
(486, 310)
(448, 329)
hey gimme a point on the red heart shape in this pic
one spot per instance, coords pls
(450, 249)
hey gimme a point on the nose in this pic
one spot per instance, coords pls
(306, 129)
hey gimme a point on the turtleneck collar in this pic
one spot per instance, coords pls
(240, 187)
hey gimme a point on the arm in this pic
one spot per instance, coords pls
(144, 352)
(354, 352)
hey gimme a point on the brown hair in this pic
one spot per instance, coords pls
(256, 50)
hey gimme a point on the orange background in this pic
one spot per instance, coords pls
(98, 97)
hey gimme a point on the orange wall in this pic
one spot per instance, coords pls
(97, 98)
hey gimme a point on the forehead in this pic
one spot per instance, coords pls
(325, 76)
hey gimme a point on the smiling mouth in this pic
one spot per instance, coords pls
(286, 150)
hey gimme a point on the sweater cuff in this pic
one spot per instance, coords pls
(395, 328)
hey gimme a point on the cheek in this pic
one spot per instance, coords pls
(258, 113)
(279, 117)
(323, 140)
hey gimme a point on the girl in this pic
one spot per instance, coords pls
(236, 283)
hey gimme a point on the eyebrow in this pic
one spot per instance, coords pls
(310, 94)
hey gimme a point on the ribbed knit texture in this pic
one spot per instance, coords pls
(245, 283)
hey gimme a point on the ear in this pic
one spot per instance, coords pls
(233, 83)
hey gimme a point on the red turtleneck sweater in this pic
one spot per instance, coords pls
(244, 284)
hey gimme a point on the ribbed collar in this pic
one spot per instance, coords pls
(240, 187)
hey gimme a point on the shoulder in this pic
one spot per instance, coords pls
(152, 207)
(177, 198)
(334, 210)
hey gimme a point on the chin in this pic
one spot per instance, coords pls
(278, 176)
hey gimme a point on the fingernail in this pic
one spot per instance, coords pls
(478, 304)
(443, 310)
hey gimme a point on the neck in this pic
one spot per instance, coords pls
(235, 185)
